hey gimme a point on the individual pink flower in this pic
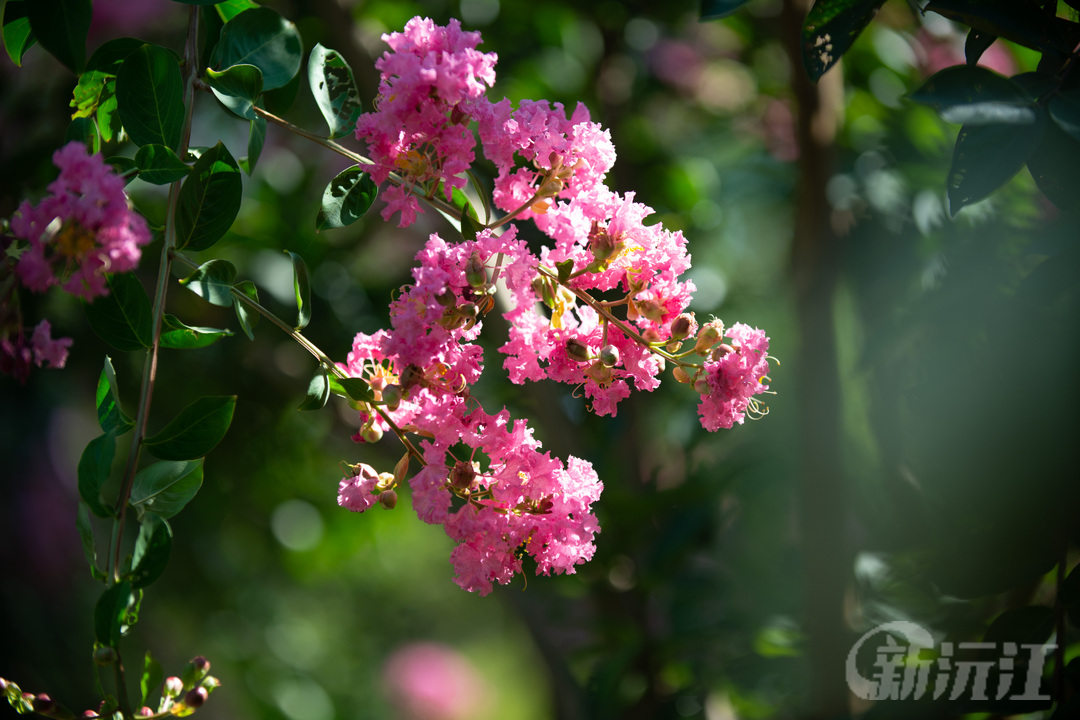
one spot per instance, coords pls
(357, 492)
(735, 373)
(83, 229)
(47, 350)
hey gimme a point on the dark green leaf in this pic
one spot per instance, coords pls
(150, 97)
(111, 612)
(263, 38)
(158, 165)
(164, 488)
(229, 9)
(280, 100)
(712, 9)
(1024, 626)
(1055, 165)
(972, 95)
(209, 200)
(86, 535)
(256, 138)
(152, 550)
(177, 335)
(831, 28)
(123, 318)
(125, 167)
(346, 199)
(237, 87)
(976, 44)
(1065, 110)
(318, 391)
(84, 131)
(332, 84)
(18, 38)
(111, 55)
(111, 416)
(986, 157)
(152, 676)
(470, 226)
(195, 430)
(1069, 592)
(565, 268)
(94, 467)
(61, 27)
(302, 290)
(1021, 22)
(247, 316)
(213, 282)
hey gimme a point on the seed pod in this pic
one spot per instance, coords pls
(680, 374)
(577, 350)
(609, 355)
(476, 273)
(683, 326)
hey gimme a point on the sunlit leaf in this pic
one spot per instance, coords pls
(237, 88)
(213, 282)
(346, 199)
(318, 391)
(110, 613)
(18, 37)
(334, 88)
(152, 675)
(972, 95)
(177, 335)
(152, 549)
(209, 200)
(110, 415)
(302, 290)
(195, 430)
(247, 316)
(166, 487)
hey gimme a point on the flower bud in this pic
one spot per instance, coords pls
(144, 711)
(577, 350)
(475, 273)
(446, 298)
(391, 395)
(602, 244)
(199, 666)
(462, 475)
(173, 687)
(196, 696)
(211, 683)
(721, 350)
(683, 326)
(89, 714)
(709, 335)
(680, 374)
(457, 115)
(609, 356)
(701, 383)
(371, 432)
(411, 376)
(388, 499)
(43, 704)
(3, 686)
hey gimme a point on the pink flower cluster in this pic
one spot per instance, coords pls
(430, 85)
(83, 229)
(506, 498)
(16, 354)
(735, 373)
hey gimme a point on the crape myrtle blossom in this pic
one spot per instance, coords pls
(16, 354)
(431, 83)
(83, 229)
(734, 373)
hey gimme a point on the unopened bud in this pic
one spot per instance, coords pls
(680, 374)
(721, 350)
(199, 666)
(411, 376)
(475, 273)
(469, 311)
(446, 298)
(196, 696)
(391, 395)
(210, 683)
(577, 350)
(173, 687)
(388, 499)
(457, 115)
(89, 714)
(462, 475)
(609, 356)
(683, 326)
(709, 335)
(371, 432)
(144, 711)
(104, 656)
(701, 383)
(43, 704)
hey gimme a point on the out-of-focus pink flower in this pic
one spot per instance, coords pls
(47, 350)
(430, 681)
(81, 230)
(936, 52)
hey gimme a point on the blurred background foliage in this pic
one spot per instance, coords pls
(955, 355)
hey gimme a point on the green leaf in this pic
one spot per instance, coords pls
(18, 37)
(150, 97)
(972, 95)
(346, 199)
(164, 488)
(178, 336)
(158, 165)
(318, 391)
(986, 157)
(152, 549)
(125, 167)
(85, 131)
(86, 535)
(248, 317)
(152, 677)
(237, 88)
(87, 93)
(111, 416)
(565, 268)
(263, 38)
(302, 290)
(197, 2)
(111, 55)
(229, 9)
(1031, 625)
(1055, 166)
(713, 9)
(1022, 22)
(830, 29)
(93, 471)
(1065, 110)
(209, 200)
(95, 95)
(123, 318)
(470, 225)
(355, 388)
(213, 282)
(976, 44)
(332, 84)
(111, 612)
(195, 430)
(61, 27)
(256, 138)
